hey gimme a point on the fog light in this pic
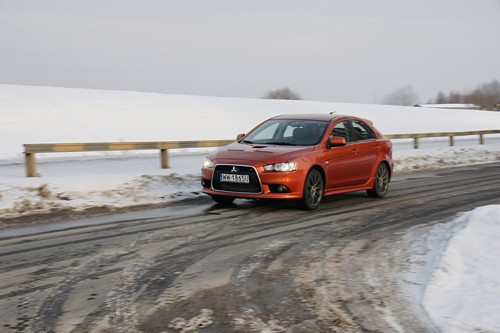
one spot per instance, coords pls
(277, 188)
(205, 183)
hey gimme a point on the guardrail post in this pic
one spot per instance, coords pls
(415, 143)
(452, 141)
(30, 164)
(481, 139)
(164, 158)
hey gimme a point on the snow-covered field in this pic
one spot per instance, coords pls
(47, 114)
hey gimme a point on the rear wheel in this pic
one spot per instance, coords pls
(313, 191)
(381, 183)
(223, 199)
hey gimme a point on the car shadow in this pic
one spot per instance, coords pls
(329, 202)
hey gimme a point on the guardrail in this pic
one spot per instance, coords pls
(450, 135)
(31, 149)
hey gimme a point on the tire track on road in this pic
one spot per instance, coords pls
(141, 260)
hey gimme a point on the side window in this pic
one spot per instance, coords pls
(362, 131)
(342, 130)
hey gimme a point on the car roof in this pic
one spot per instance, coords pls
(310, 116)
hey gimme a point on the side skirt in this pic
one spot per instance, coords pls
(366, 186)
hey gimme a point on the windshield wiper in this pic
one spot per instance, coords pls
(247, 141)
(281, 143)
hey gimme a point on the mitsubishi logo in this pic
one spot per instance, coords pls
(234, 169)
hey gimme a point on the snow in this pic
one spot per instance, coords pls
(451, 106)
(113, 182)
(49, 115)
(464, 290)
(411, 160)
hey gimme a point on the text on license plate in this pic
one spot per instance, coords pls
(229, 178)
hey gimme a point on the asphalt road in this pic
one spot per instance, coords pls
(250, 267)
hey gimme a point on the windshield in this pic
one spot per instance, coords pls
(288, 132)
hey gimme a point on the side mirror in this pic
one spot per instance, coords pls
(337, 141)
(239, 137)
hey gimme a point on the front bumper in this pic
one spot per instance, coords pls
(294, 180)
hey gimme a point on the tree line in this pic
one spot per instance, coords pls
(486, 95)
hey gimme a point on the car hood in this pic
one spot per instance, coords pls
(259, 153)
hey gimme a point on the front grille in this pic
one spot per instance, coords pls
(253, 187)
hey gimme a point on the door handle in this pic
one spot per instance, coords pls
(377, 147)
(355, 152)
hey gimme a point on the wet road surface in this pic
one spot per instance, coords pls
(250, 267)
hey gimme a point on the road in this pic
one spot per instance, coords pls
(250, 267)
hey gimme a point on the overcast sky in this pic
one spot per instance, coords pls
(327, 50)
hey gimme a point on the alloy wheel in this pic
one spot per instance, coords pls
(381, 184)
(313, 190)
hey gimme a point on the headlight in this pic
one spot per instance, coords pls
(207, 164)
(281, 167)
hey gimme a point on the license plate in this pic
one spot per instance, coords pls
(231, 178)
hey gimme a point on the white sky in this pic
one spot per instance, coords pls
(329, 50)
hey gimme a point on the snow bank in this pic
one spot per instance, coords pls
(44, 196)
(47, 114)
(412, 160)
(464, 291)
(109, 183)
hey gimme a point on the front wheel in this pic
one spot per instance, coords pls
(381, 183)
(313, 191)
(221, 199)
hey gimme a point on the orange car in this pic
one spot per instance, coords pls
(301, 157)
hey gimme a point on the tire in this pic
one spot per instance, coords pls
(221, 199)
(313, 191)
(381, 183)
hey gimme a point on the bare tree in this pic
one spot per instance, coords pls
(283, 93)
(402, 96)
(441, 98)
(486, 95)
(455, 97)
